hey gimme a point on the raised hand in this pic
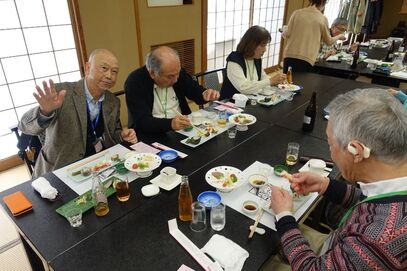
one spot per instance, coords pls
(49, 99)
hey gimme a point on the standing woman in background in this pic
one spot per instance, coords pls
(244, 72)
(303, 35)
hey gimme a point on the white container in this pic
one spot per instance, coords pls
(240, 100)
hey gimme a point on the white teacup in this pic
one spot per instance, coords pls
(168, 174)
(317, 165)
(197, 117)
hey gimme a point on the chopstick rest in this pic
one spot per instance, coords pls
(18, 203)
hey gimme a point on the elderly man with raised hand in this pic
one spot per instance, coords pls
(156, 93)
(367, 135)
(78, 118)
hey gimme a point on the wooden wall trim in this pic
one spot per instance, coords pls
(78, 34)
(10, 162)
(138, 32)
(204, 34)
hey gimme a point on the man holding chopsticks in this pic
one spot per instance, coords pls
(156, 93)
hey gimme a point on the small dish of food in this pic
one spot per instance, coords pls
(209, 199)
(257, 180)
(250, 207)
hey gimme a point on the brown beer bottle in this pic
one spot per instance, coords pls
(290, 75)
(185, 200)
(310, 113)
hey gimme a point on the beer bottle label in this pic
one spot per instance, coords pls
(307, 119)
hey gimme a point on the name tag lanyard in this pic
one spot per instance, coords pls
(94, 123)
(163, 105)
(380, 196)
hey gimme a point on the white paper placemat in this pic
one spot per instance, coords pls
(236, 198)
(82, 187)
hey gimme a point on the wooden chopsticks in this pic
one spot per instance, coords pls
(259, 215)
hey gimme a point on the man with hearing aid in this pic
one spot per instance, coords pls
(367, 136)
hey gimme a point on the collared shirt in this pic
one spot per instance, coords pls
(245, 84)
(385, 186)
(93, 106)
(165, 103)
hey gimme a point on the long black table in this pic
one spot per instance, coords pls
(143, 234)
(342, 69)
(135, 233)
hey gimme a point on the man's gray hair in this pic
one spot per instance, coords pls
(373, 117)
(339, 21)
(154, 60)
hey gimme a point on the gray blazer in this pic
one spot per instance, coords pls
(66, 133)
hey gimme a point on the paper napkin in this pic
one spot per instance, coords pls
(226, 252)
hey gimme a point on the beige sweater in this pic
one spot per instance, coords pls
(305, 30)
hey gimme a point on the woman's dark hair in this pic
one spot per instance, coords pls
(253, 37)
(318, 3)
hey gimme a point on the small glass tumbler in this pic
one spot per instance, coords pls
(122, 188)
(222, 119)
(218, 217)
(198, 222)
(292, 153)
(232, 132)
(74, 217)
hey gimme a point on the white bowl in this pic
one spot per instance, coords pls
(250, 207)
(257, 180)
(317, 163)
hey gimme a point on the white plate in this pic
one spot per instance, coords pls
(226, 171)
(242, 117)
(166, 185)
(151, 161)
(105, 159)
(289, 87)
(274, 99)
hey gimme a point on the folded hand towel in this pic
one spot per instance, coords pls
(42, 186)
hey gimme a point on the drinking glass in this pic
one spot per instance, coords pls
(291, 157)
(122, 188)
(198, 222)
(218, 217)
(74, 217)
(232, 132)
(222, 119)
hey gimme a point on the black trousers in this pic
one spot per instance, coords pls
(297, 65)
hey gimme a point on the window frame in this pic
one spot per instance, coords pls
(73, 8)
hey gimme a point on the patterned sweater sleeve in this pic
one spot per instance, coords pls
(297, 248)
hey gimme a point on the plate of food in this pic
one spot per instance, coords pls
(100, 162)
(143, 163)
(289, 87)
(271, 100)
(224, 178)
(201, 134)
(242, 119)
